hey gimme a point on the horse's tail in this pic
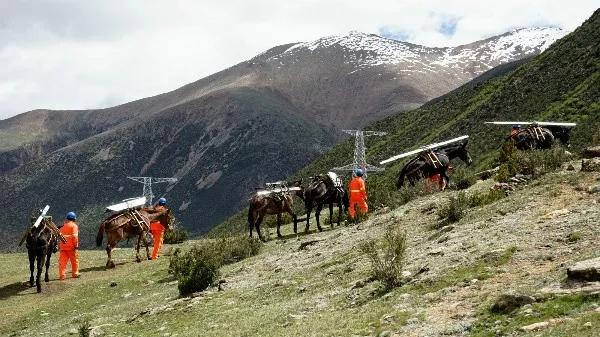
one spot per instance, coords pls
(250, 216)
(100, 234)
(400, 181)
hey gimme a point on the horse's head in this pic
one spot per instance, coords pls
(170, 219)
(462, 153)
(297, 183)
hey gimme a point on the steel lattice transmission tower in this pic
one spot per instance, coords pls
(148, 181)
(360, 157)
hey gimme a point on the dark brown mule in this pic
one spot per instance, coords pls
(323, 190)
(41, 242)
(273, 204)
(124, 225)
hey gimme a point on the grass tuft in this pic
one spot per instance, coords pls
(387, 258)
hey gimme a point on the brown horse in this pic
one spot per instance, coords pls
(273, 203)
(125, 225)
(41, 242)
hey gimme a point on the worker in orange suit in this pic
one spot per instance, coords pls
(68, 251)
(158, 229)
(358, 194)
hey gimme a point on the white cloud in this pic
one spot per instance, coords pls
(72, 54)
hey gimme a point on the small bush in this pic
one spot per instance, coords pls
(574, 237)
(198, 268)
(485, 198)
(84, 328)
(462, 178)
(455, 209)
(387, 258)
(531, 162)
(177, 235)
(233, 249)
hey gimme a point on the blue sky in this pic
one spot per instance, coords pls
(73, 54)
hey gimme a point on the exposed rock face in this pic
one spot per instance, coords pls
(588, 270)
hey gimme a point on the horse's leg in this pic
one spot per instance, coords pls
(48, 255)
(308, 210)
(31, 255)
(339, 211)
(279, 225)
(331, 215)
(318, 215)
(110, 244)
(144, 237)
(257, 225)
(137, 248)
(40, 266)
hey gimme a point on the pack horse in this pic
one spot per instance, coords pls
(431, 160)
(325, 189)
(277, 198)
(129, 220)
(537, 135)
(41, 240)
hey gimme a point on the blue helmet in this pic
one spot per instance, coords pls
(162, 201)
(71, 216)
(358, 172)
(516, 126)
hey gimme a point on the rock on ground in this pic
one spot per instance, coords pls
(588, 270)
(590, 165)
(592, 152)
(535, 326)
(509, 302)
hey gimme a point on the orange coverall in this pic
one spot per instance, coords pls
(358, 196)
(68, 250)
(158, 230)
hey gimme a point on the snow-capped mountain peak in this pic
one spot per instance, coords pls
(368, 50)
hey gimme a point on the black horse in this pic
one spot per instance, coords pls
(323, 190)
(422, 166)
(41, 242)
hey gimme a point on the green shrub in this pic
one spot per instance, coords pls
(84, 328)
(485, 198)
(177, 235)
(462, 178)
(387, 258)
(455, 209)
(574, 237)
(236, 248)
(198, 268)
(531, 162)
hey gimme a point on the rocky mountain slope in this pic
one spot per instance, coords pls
(221, 136)
(319, 284)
